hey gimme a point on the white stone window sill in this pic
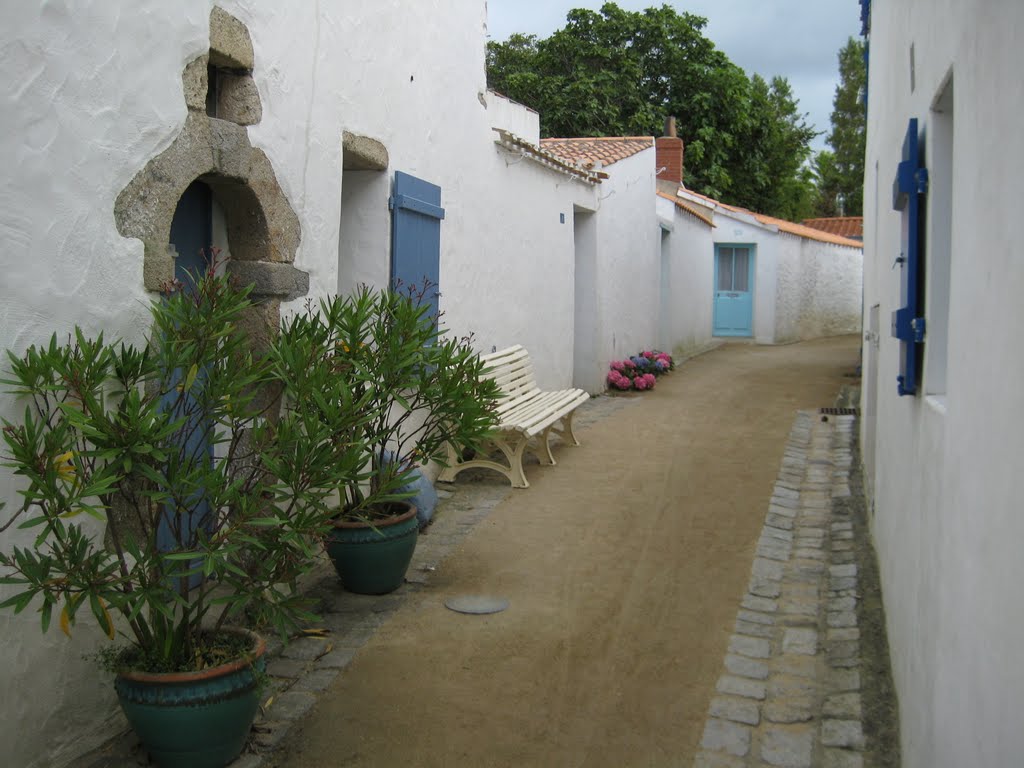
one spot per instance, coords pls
(936, 403)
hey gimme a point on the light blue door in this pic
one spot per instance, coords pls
(734, 290)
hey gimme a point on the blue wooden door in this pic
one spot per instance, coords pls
(416, 238)
(734, 290)
(191, 233)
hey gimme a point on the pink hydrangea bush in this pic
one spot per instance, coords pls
(640, 371)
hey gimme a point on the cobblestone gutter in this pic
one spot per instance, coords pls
(790, 690)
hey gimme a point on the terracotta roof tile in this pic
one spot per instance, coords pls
(844, 226)
(688, 208)
(605, 150)
(800, 230)
(545, 157)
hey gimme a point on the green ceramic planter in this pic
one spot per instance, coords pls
(372, 560)
(194, 719)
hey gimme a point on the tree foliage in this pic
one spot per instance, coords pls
(841, 171)
(619, 73)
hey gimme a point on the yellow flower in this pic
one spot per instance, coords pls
(65, 467)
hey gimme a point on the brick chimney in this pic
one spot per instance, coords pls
(669, 154)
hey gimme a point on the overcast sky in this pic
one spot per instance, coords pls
(798, 39)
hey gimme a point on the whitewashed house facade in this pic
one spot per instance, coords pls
(112, 117)
(942, 398)
(305, 160)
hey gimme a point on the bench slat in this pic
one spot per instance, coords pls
(524, 411)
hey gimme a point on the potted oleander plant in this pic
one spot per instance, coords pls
(177, 491)
(424, 389)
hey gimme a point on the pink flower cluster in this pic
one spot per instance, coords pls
(617, 380)
(644, 381)
(639, 371)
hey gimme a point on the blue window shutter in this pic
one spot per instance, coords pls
(908, 191)
(416, 237)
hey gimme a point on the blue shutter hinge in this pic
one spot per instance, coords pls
(917, 326)
(391, 202)
(921, 180)
(907, 328)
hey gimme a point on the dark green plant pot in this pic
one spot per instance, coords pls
(372, 560)
(194, 719)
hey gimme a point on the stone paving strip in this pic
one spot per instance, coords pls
(790, 690)
(299, 671)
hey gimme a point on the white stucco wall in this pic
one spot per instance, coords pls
(831, 289)
(628, 259)
(508, 278)
(506, 272)
(791, 277)
(947, 522)
(818, 290)
(513, 117)
(79, 116)
(691, 280)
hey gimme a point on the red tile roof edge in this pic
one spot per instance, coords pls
(690, 210)
(510, 141)
(844, 226)
(782, 225)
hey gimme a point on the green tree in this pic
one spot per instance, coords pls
(774, 145)
(827, 196)
(841, 177)
(616, 73)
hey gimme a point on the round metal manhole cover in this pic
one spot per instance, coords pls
(476, 604)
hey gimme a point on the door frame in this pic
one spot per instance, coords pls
(751, 283)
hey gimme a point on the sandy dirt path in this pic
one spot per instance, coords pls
(624, 565)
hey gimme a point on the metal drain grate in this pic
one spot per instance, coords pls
(840, 411)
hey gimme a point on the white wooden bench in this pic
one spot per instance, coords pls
(525, 414)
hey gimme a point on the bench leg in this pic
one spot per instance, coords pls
(545, 456)
(448, 474)
(513, 455)
(565, 430)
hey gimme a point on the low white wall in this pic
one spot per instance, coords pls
(790, 293)
(946, 521)
(831, 289)
(818, 289)
(513, 117)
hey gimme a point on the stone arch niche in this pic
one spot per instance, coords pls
(213, 146)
